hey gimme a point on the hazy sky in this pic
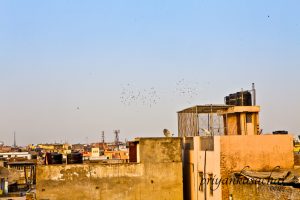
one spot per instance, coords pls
(66, 65)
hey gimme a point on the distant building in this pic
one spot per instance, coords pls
(79, 147)
(122, 155)
(10, 155)
(156, 174)
(4, 149)
(101, 146)
(27, 174)
(95, 152)
(60, 148)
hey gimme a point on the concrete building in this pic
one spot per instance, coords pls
(60, 148)
(5, 149)
(121, 155)
(27, 174)
(95, 152)
(218, 120)
(10, 155)
(156, 174)
(222, 140)
(217, 157)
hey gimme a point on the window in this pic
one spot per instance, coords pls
(249, 118)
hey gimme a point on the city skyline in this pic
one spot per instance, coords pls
(72, 70)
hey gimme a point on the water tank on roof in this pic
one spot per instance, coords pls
(280, 132)
(74, 158)
(244, 99)
(233, 99)
(239, 99)
(53, 158)
(227, 100)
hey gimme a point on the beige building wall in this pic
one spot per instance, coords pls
(264, 192)
(231, 154)
(158, 175)
(193, 167)
(210, 159)
(231, 124)
(260, 152)
(95, 152)
(242, 120)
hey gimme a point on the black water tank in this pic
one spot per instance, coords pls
(227, 100)
(247, 99)
(244, 99)
(74, 158)
(280, 132)
(233, 99)
(239, 99)
(53, 158)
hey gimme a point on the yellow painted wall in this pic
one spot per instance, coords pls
(231, 154)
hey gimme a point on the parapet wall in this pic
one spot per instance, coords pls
(160, 150)
(145, 180)
(259, 152)
(254, 152)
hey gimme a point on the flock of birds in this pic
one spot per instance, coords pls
(132, 96)
(188, 90)
(145, 97)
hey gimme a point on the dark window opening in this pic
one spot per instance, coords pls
(249, 117)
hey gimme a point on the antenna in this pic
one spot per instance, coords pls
(15, 142)
(253, 94)
(117, 132)
(242, 91)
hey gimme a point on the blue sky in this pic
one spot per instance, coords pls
(65, 64)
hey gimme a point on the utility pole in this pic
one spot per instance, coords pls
(102, 138)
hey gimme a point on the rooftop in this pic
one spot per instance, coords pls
(208, 108)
